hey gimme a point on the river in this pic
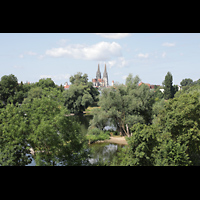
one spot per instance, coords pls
(99, 152)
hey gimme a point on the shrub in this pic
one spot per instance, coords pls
(95, 134)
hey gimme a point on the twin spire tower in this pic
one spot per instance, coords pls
(98, 81)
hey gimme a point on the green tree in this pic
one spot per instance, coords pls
(168, 92)
(173, 138)
(80, 95)
(45, 83)
(132, 82)
(181, 119)
(158, 95)
(38, 92)
(78, 79)
(186, 81)
(35, 92)
(55, 138)
(42, 124)
(95, 134)
(8, 88)
(124, 106)
(14, 130)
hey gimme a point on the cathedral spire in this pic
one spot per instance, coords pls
(105, 72)
(98, 74)
(98, 68)
(105, 77)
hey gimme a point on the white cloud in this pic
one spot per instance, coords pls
(120, 62)
(58, 77)
(124, 77)
(141, 55)
(99, 51)
(167, 44)
(113, 35)
(62, 42)
(21, 55)
(41, 57)
(18, 67)
(164, 54)
(111, 63)
(30, 53)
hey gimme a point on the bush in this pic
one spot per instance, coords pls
(95, 134)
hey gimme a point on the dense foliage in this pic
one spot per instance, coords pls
(80, 95)
(124, 105)
(34, 119)
(162, 129)
(172, 139)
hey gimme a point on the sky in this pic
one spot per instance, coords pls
(32, 56)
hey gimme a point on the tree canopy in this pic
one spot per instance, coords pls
(80, 95)
(124, 105)
(186, 81)
(172, 139)
(35, 122)
(41, 123)
(168, 92)
(8, 87)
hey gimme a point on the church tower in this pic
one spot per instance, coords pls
(98, 74)
(105, 77)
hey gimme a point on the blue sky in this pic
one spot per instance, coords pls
(31, 56)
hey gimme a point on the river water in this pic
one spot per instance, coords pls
(100, 153)
(103, 153)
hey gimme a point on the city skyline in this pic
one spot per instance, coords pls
(32, 56)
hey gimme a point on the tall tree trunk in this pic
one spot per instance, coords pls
(127, 130)
(120, 131)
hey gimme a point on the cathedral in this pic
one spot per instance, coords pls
(101, 82)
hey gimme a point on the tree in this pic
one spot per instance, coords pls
(78, 79)
(168, 92)
(80, 95)
(55, 137)
(132, 82)
(45, 83)
(35, 92)
(186, 81)
(38, 92)
(181, 119)
(8, 87)
(173, 139)
(124, 106)
(14, 130)
(11, 91)
(42, 124)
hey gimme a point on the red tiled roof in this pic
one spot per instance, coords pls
(144, 83)
(66, 86)
(100, 80)
(94, 80)
(140, 83)
(150, 86)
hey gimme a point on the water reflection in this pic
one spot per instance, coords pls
(100, 153)
(103, 153)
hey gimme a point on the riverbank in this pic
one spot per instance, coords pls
(116, 140)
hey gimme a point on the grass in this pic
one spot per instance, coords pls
(89, 109)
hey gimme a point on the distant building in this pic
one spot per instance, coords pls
(66, 86)
(112, 83)
(162, 90)
(150, 86)
(98, 81)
